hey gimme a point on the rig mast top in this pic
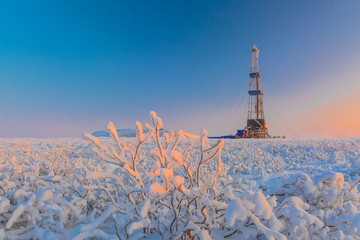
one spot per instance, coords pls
(254, 68)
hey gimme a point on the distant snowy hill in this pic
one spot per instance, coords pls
(120, 132)
(132, 133)
(125, 133)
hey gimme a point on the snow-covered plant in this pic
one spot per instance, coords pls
(35, 200)
(179, 192)
(322, 206)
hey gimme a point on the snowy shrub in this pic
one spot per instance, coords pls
(35, 202)
(180, 192)
(324, 206)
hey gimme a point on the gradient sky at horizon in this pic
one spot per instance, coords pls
(69, 67)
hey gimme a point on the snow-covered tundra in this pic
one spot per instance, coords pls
(170, 187)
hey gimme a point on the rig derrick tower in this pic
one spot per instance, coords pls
(256, 126)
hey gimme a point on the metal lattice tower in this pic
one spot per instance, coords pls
(255, 125)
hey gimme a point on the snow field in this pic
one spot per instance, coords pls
(173, 188)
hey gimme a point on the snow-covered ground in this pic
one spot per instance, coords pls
(243, 189)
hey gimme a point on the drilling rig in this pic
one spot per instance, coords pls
(255, 124)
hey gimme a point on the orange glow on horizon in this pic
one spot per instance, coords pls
(340, 118)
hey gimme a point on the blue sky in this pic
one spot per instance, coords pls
(68, 67)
